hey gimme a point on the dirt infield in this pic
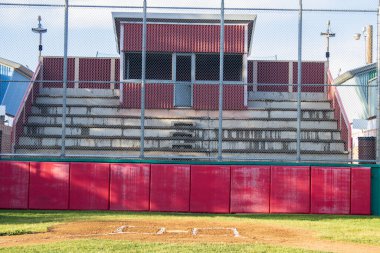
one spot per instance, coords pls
(186, 231)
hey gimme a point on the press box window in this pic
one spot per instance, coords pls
(207, 67)
(158, 66)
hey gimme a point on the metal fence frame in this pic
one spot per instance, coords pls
(222, 9)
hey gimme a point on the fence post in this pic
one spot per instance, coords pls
(64, 102)
(378, 89)
(143, 77)
(221, 77)
(299, 113)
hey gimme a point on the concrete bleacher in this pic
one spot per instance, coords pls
(96, 125)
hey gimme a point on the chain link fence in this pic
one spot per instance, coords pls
(292, 82)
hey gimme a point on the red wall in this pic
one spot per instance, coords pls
(210, 189)
(49, 185)
(205, 96)
(184, 38)
(250, 188)
(90, 69)
(129, 187)
(184, 188)
(360, 190)
(14, 182)
(312, 73)
(272, 73)
(53, 71)
(170, 188)
(94, 69)
(330, 190)
(290, 189)
(89, 186)
(157, 96)
(277, 72)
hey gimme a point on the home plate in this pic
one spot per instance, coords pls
(177, 231)
(215, 231)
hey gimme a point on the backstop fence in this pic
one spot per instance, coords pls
(183, 80)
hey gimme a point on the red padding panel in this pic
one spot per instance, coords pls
(129, 189)
(89, 186)
(290, 189)
(330, 190)
(14, 181)
(210, 189)
(170, 188)
(360, 190)
(250, 187)
(49, 185)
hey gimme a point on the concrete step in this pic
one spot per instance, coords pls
(117, 122)
(190, 143)
(72, 92)
(190, 155)
(54, 111)
(288, 104)
(133, 131)
(78, 100)
(305, 96)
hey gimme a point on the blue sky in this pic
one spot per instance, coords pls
(91, 29)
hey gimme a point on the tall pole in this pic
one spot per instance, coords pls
(143, 80)
(378, 89)
(368, 44)
(40, 30)
(221, 77)
(328, 34)
(299, 113)
(64, 102)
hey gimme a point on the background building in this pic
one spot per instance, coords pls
(14, 83)
(358, 93)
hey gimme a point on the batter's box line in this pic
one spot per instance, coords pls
(120, 230)
(195, 231)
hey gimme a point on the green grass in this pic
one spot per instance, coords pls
(358, 229)
(125, 246)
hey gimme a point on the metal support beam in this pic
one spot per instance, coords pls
(299, 113)
(221, 74)
(64, 102)
(143, 80)
(378, 89)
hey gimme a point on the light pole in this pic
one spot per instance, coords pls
(40, 30)
(367, 33)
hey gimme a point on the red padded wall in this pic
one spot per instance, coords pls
(14, 181)
(170, 188)
(290, 189)
(361, 191)
(330, 190)
(49, 185)
(250, 187)
(89, 186)
(210, 189)
(129, 187)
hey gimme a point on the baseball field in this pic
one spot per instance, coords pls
(79, 231)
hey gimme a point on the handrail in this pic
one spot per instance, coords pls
(345, 118)
(21, 108)
(333, 94)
